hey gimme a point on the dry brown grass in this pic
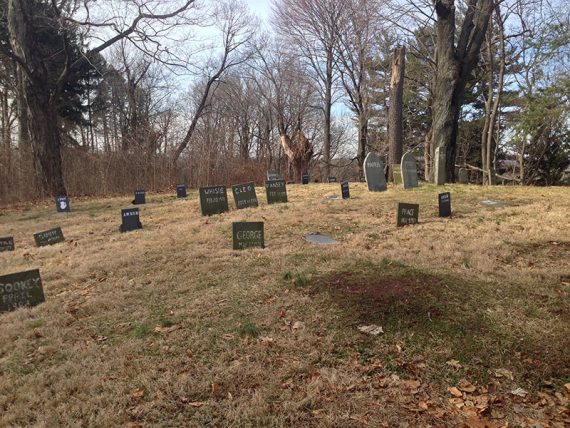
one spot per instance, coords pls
(169, 326)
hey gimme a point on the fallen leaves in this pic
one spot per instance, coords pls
(166, 330)
(372, 329)
(454, 364)
(519, 392)
(455, 391)
(137, 393)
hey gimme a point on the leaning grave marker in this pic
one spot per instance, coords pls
(130, 220)
(213, 200)
(49, 237)
(7, 244)
(21, 289)
(374, 173)
(409, 171)
(248, 234)
(62, 204)
(276, 191)
(407, 214)
(244, 195)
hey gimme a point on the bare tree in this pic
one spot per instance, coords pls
(395, 129)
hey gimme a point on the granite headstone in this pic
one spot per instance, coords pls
(21, 289)
(276, 191)
(213, 200)
(248, 235)
(463, 176)
(49, 237)
(397, 173)
(374, 173)
(244, 195)
(409, 171)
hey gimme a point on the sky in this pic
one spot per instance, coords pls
(262, 8)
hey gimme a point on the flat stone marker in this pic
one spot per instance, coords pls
(344, 189)
(492, 204)
(21, 289)
(374, 173)
(305, 178)
(181, 191)
(463, 176)
(248, 235)
(213, 200)
(317, 238)
(245, 196)
(140, 197)
(272, 176)
(397, 173)
(276, 191)
(409, 171)
(49, 237)
(130, 220)
(407, 214)
(332, 180)
(62, 204)
(444, 204)
(7, 244)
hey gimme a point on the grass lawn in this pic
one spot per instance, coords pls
(168, 326)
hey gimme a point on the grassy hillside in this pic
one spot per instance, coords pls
(168, 326)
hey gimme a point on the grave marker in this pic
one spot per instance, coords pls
(463, 176)
(140, 197)
(49, 237)
(374, 173)
(272, 175)
(130, 220)
(181, 191)
(344, 189)
(276, 191)
(407, 214)
(305, 178)
(21, 289)
(397, 173)
(213, 200)
(332, 180)
(248, 235)
(409, 171)
(445, 204)
(244, 195)
(317, 238)
(62, 204)
(7, 244)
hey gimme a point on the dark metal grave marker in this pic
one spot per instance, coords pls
(276, 191)
(244, 195)
(140, 197)
(21, 289)
(407, 214)
(445, 204)
(332, 180)
(181, 191)
(49, 237)
(213, 200)
(345, 190)
(7, 244)
(130, 220)
(62, 204)
(305, 178)
(248, 235)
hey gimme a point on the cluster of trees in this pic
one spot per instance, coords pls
(104, 96)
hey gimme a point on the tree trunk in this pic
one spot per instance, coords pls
(395, 131)
(362, 142)
(328, 115)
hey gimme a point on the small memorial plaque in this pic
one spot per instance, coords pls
(49, 237)
(345, 190)
(62, 204)
(213, 200)
(305, 178)
(409, 171)
(374, 173)
(445, 204)
(244, 195)
(248, 235)
(276, 191)
(140, 197)
(130, 220)
(317, 238)
(21, 289)
(332, 180)
(407, 214)
(7, 244)
(181, 191)
(272, 175)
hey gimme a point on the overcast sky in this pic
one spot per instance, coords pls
(261, 8)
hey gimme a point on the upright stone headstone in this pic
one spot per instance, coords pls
(374, 173)
(140, 197)
(62, 204)
(7, 244)
(439, 168)
(49, 237)
(409, 171)
(272, 175)
(407, 214)
(397, 173)
(332, 180)
(181, 191)
(276, 191)
(213, 200)
(244, 195)
(445, 204)
(305, 178)
(248, 235)
(344, 189)
(463, 176)
(130, 220)
(21, 289)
